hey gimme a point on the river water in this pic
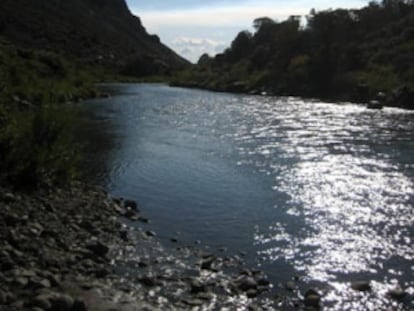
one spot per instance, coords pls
(321, 191)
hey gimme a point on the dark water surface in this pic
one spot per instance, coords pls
(323, 191)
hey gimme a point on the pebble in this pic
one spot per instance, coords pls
(193, 302)
(37, 283)
(312, 301)
(246, 283)
(206, 263)
(123, 234)
(63, 302)
(148, 280)
(79, 305)
(131, 204)
(143, 220)
(21, 281)
(361, 286)
(66, 246)
(197, 286)
(251, 293)
(3, 298)
(42, 301)
(397, 293)
(150, 233)
(98, 248)
(290, 286)
(311, 292)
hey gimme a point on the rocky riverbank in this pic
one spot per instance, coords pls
(75, 249)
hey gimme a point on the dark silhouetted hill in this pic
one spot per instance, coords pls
(97, 31)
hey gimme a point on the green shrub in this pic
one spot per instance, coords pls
(38, 147)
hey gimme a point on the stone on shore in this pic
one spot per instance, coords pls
(397, 293)
(361, 286)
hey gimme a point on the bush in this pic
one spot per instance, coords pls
(38, 147)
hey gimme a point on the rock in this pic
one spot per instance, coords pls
(361, 286)
(131, 204)
(311, 292)
(62, 302)
(85, 224)
(36, 229)
(131, 215)
(8, 197)
(123, 234)
(7, 265)
(98, 248)
(312, 301)
(17, 305)
(193, 302)
(246, 283)
(205, 295)
(143, 220)
(28, 273)
(397, 293)
(42, 301)
(54, 279)
(291, 286)
(37, 283)
(20, 282)
(148, 280)
(11, 219)
(206, 263)
(3, 298)
(263, 281)
(117, 201)
(101, 273)
(251, 293)
(79, 305)
(197, 286)
(143, 264)
(150, 233)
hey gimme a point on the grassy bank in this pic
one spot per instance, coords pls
(37, 145)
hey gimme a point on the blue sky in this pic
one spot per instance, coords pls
(192, 27)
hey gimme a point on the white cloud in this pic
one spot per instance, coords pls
(192, 48)
(209, 29)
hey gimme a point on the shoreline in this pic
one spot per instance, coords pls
(395, 99)
(78, 249)
(73, 249)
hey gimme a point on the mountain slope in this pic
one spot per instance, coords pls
(98, 31)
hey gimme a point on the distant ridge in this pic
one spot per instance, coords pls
(96, 31)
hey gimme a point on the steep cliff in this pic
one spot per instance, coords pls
(101, 31)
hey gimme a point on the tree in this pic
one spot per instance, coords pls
(240, 47)
(261, 21)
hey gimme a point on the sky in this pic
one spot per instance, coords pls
(194, 27)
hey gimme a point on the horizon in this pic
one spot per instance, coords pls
(192, 29)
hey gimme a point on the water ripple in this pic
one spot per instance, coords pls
(342, 178)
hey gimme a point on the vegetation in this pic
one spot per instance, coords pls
(51, 52)
(37, 145)
(342, 54)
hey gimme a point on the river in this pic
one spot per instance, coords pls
(321, 191)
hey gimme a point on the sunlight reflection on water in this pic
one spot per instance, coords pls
(340, 176)
(356, 203)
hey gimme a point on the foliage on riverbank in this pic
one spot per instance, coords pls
(37, 145)
(341, 54)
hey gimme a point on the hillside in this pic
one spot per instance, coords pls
(95, 31)
(337, 54)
